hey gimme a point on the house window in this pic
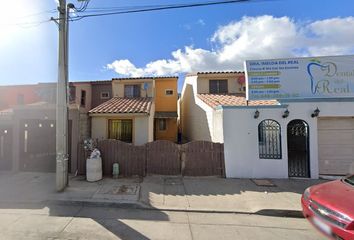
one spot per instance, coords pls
(269, 139)
(72, 94)
(121, 129)
(83, 98)
(218, 86)
(168, 92)
(132, 91)
(162, 124)
(20, 99)
(105, 95)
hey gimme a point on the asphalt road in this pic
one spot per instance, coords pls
(76, 222)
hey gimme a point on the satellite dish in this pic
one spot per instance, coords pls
(146, 86)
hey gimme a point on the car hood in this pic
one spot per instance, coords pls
(336, 195)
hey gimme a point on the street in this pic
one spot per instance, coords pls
(21, 221)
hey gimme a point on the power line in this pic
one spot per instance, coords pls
(158, 8)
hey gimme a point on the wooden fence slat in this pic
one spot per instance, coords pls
(199, 158)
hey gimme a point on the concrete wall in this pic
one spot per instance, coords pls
(241, 137)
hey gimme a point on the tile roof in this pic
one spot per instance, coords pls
(138, 78)
(124, 105)
(214, 100)
(215, 72)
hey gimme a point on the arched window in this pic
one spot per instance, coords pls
(269, 139)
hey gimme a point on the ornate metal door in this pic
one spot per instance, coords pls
(298, 149)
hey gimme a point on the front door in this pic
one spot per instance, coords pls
(298, 149)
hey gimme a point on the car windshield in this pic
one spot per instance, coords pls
(350, 180)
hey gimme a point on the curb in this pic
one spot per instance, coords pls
(143, 206)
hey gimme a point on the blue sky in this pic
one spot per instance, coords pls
(172, 41)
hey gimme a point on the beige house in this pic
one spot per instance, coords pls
(130, 114)
(197, 116)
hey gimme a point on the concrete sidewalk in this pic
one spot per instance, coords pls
(203, 194)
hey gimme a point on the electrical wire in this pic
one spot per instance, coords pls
(156, 8)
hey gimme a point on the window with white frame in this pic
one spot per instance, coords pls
(105, 95)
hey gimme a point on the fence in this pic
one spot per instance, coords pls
(199, 158)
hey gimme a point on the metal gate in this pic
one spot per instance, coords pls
(37, 145)
(298, 149)
(5, 148)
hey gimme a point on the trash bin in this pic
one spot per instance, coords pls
(94, 166)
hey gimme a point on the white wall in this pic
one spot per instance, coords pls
(99, 128)
(151, 123)
(241, 137)
(141, 130)
(194, 120)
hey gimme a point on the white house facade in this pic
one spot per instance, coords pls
(270, 139)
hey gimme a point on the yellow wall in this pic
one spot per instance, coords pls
(171, 130)
(163, 102)
(166, 103)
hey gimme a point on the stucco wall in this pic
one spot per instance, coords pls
(233, 85)
(99, 128)
(194, 118)
(118, 87)
(241, 137)
(166, 103)
(141, 134)
(86, 87)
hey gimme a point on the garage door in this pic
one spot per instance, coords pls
(336, 146)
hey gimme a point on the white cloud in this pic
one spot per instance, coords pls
(253, 38)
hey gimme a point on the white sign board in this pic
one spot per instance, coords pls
(299, 78)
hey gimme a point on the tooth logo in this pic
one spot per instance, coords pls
(317, 71)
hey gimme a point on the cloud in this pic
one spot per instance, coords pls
(252, 38)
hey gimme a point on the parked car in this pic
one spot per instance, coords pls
(330, 207)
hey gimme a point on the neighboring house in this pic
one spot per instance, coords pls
(166, 109)
(268, 139)
(16, 95)
(196, 115)
(27, 123)
(130, 115)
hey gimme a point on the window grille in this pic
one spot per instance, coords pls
(269, 139)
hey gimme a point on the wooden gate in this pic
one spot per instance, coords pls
(5, 148)
(203, 158)
(160, 157)
(163, 158)
(131, 159)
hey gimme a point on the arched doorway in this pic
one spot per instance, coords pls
(298, 149)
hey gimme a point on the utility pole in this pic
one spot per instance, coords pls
(62, 156)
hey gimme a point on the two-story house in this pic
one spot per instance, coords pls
(27, 123)
(136, 106)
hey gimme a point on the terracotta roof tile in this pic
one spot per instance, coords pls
(124, 105)
(214, 100)
(143, 78)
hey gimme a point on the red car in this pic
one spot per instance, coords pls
(330, 207)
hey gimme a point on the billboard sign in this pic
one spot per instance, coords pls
(300, 78)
